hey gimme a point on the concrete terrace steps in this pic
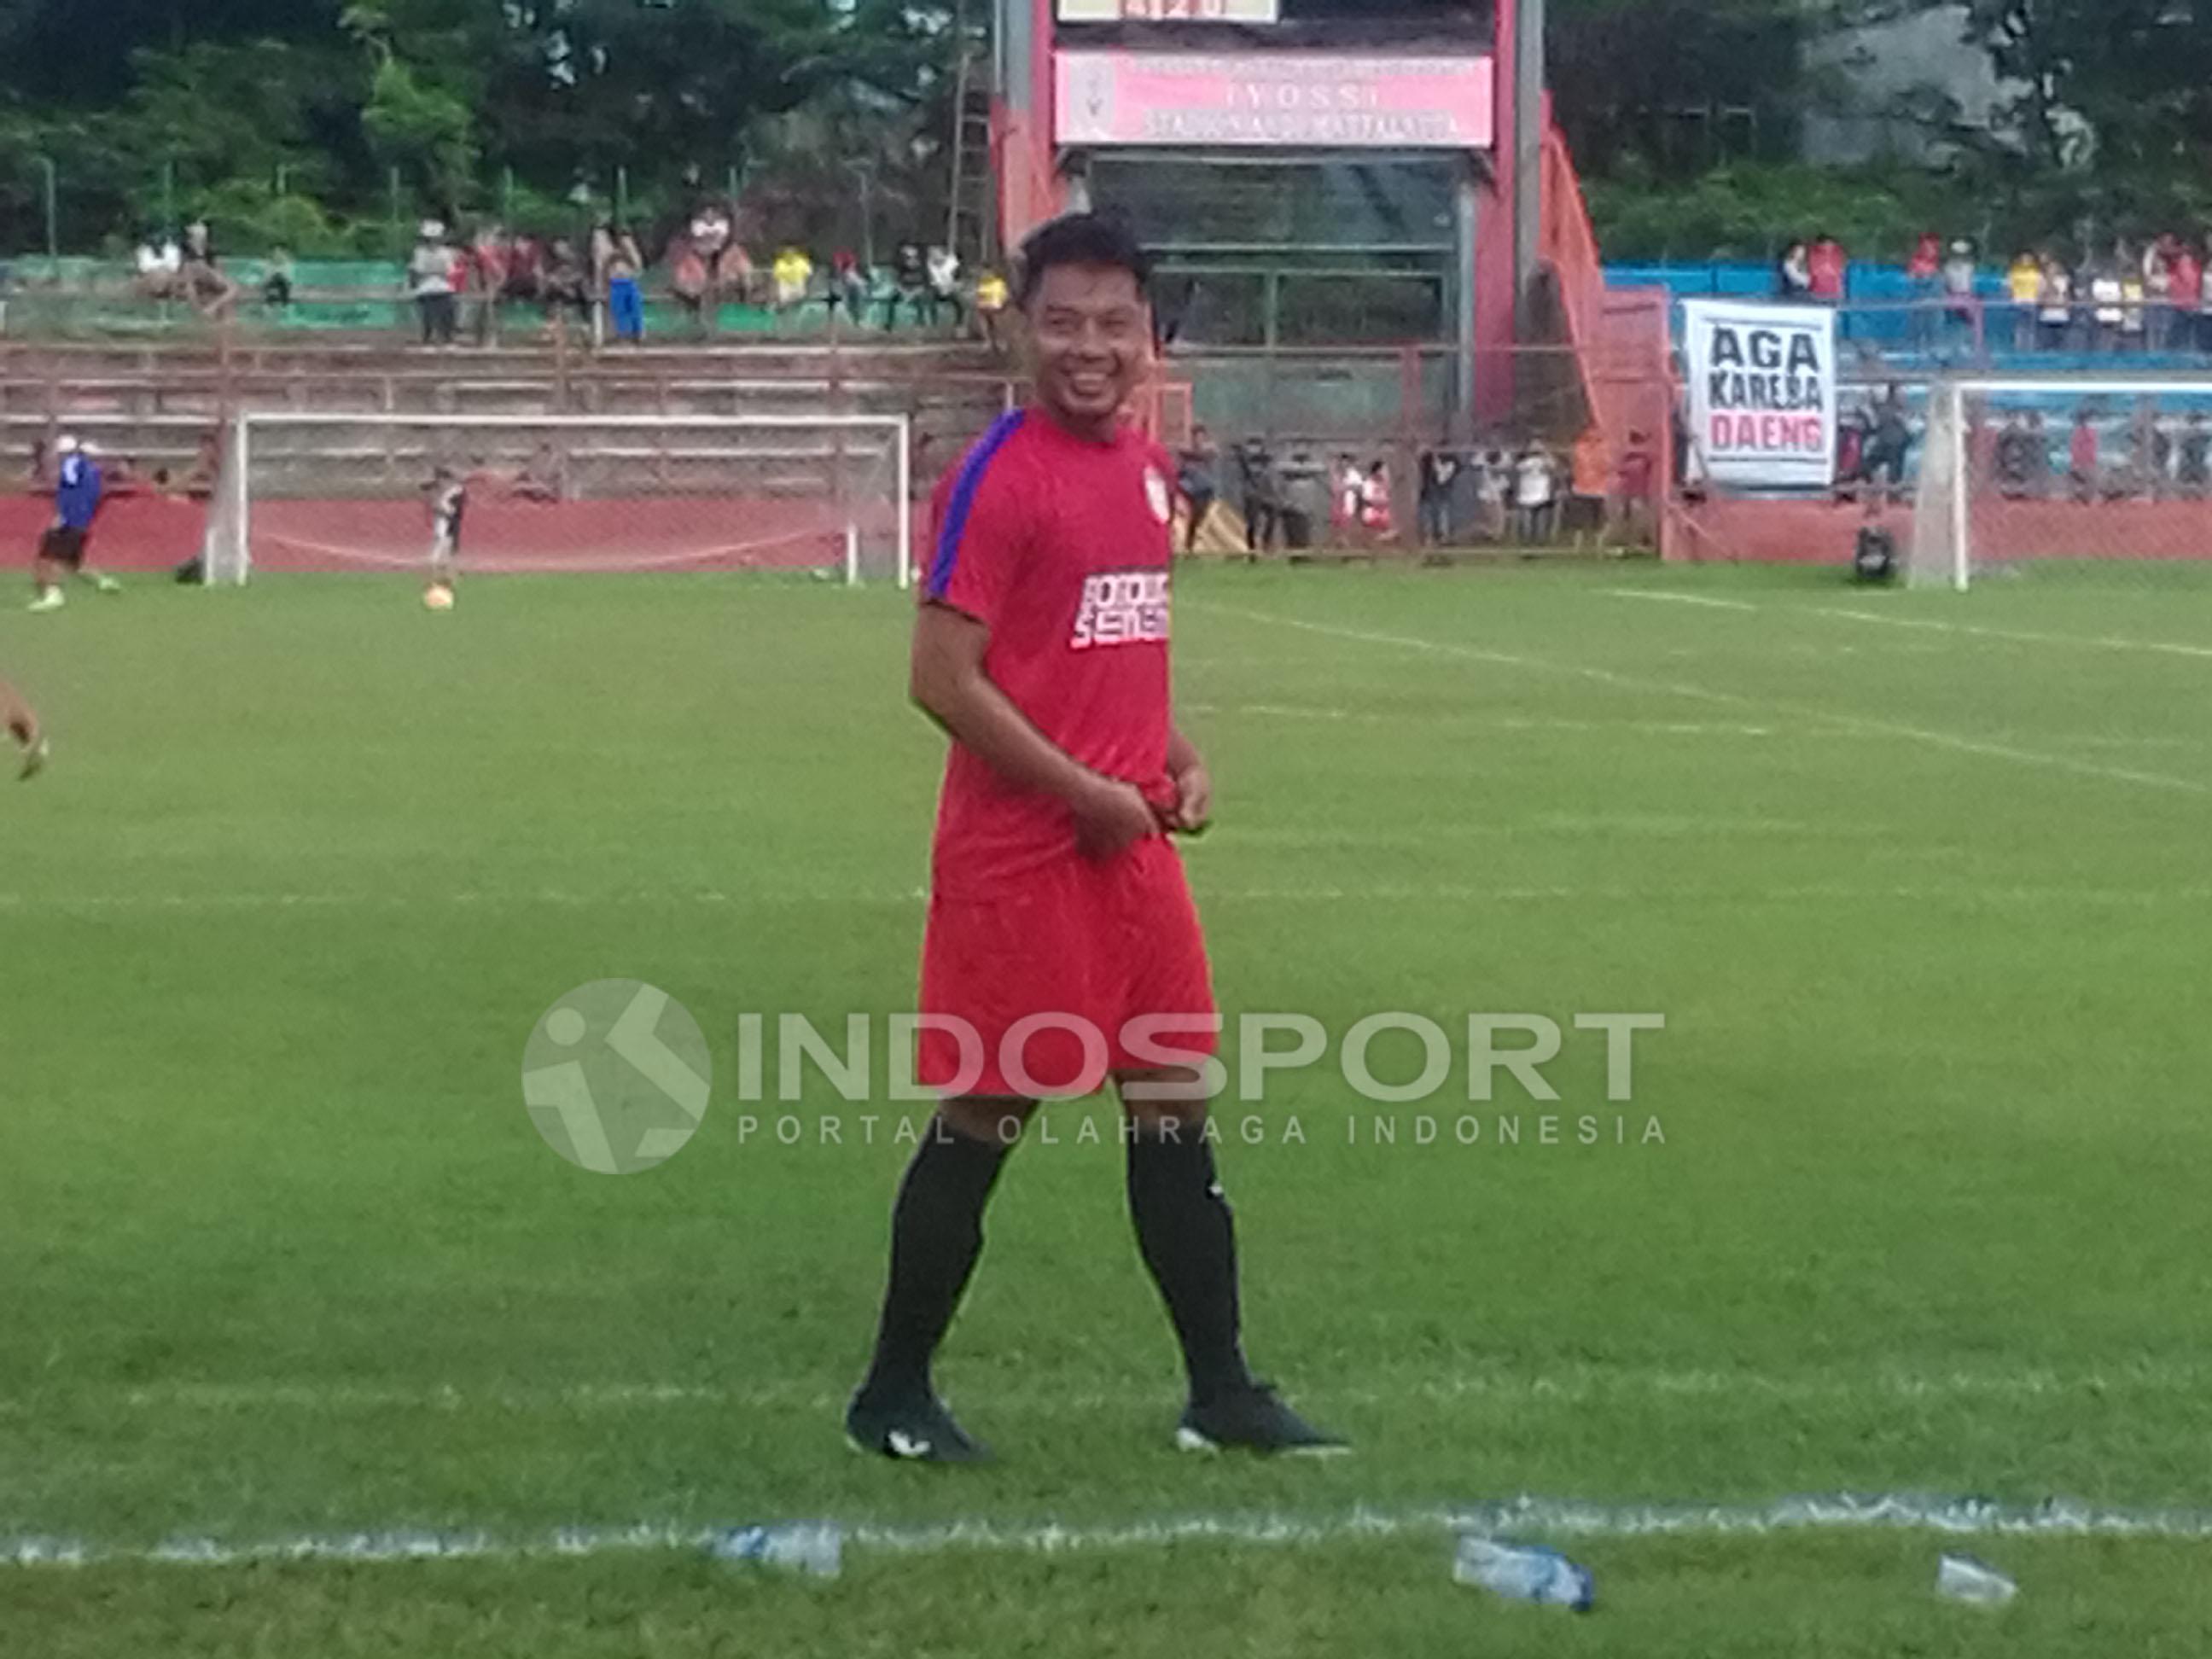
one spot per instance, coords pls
(150, 400)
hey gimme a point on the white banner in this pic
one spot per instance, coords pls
(1762, 391)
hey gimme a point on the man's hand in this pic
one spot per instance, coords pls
(1193, 785)
(1111, 816)
(1193, 807)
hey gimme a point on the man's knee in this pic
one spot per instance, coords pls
(1171, 1101)
(996, 1120)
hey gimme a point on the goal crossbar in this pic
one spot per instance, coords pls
(227, 558)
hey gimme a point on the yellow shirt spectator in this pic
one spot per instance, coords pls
(793, 270)
(990, 292)
(2025, 280)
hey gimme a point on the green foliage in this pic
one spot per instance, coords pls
(1750, 211)
(1686, 117)
(290, 119)
(2110, 125)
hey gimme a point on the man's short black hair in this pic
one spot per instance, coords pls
(1082, 239)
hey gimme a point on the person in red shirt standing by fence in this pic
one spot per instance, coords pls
(1826, 267)
(2188, 291)
(1924, 273)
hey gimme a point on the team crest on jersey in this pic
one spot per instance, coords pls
(1156, 492)
(1123, 607)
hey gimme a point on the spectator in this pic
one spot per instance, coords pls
(2081, 461)
(1262, 486)
(1199, 476)
(1378, 519)
(625, 267)
(1346, 484)
(792, 271)
(991, 305)
(2024, 287)
(2192, 470)
(1890, 445)
(1854, 439)
(2188, 297)
(565, 286)
(525, 270)
(909, 282)
(848, 286)
(2012, 458)
(1923, 274)
(1793, 276)
(276, 281)
(1827, 269)
(199, 277)
(1962, 310)
(2038, 456)
(2205, 306)
(2134, 334)
(489, 263)
(1438, 468)
(2106, 312)
(159, 262)
(2158, 293)
(1305, 495)
(690, 278)
(430, 280)
(945, 286)
(205, 472)
(1535, 490)
(2055, 296)
(1494, 491)
(1636, 484)
(2150, 450)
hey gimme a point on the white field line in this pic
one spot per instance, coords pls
(1488, 722)
(1680, 599)
(1583, 1386)
(1646, 686)
(2016, 635)
(1961, 893)
(1402, 717)
(1525, 1515)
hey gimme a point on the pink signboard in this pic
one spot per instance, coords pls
(1307, 100)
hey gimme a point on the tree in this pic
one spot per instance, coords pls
(2112, 117)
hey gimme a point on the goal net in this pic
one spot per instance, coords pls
(2089, 478)
(828, 493)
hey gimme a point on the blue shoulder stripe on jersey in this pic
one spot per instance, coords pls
(962, 501)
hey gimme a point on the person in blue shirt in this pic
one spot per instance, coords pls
(78, 490)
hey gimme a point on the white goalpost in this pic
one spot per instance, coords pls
(831, 494)
(2102, 477)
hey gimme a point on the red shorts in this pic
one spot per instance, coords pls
(1049, 973)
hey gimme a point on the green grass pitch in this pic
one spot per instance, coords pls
(1918, 882)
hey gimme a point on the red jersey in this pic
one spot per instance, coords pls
(1060, 546)
(1825, 265)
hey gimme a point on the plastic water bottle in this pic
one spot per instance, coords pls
(1524, 1572)
(1962, 1578)
(816, 1548)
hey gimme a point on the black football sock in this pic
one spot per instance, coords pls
(937, 1233)
(1188, 1237)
